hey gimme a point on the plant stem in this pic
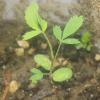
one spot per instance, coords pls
(53, 61)
(57, 52)
(50, 46)
(53, 57)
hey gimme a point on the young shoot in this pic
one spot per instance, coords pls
(85, 42)
(64, 36)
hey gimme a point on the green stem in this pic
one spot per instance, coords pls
(57, 52)
(53, 61)
(53, 57)
(50, 46)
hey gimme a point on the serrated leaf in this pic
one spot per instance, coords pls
(71, 41)
(85, 37)
(36, 75)
(29, 35)
(31, 15)
(62, 74)
(43, 23)
(72, 26)
(57, 32)
(43, 61)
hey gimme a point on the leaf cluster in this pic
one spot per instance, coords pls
(65, 36)
(35, 21)
(85, 42)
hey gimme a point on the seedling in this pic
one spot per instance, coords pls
(65, 36)
(85, 42)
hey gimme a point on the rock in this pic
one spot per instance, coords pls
(19, 51)
(97, 57)
(44, 45)
(60, 60)
(4, 66)
(13, 87)
(23, 44)
(31, 51)
(65, 62)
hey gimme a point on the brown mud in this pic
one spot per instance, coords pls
(85, 84)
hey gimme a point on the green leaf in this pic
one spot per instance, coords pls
(31, 16)
(33, 19)
(62, 74)
(43, 61)
(72, 26)
(29, 35)
(57, 32)
(71, 41)
(43, 24)
(37, 75)
(85, 37)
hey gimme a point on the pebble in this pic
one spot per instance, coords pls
(23, 44)
(91, 95)
(60, 60)
(44, 45)
(14, 86)
(19, 51)
(97, 57)
(65, 62)
(4, 66)
(31, 51)
(30, 94)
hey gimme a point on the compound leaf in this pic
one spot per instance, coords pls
(43, 23)
(29, 35)
(62, 74)
(72, 26)
(43, 61)
(31, 16)
(36, 75)
(71, 41)
(57, 32)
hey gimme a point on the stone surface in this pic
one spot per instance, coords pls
(19, 51)
(97, 57)
(56, 11)
(53, 10)
(23, 44)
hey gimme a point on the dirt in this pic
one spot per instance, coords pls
(85, 84)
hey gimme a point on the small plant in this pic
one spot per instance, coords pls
(65, 36)
(85, 42)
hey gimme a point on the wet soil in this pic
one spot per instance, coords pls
(85, 84)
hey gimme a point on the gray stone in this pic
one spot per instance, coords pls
(53, 10)
(56, 11)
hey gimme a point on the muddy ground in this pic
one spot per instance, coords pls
(85, 84)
